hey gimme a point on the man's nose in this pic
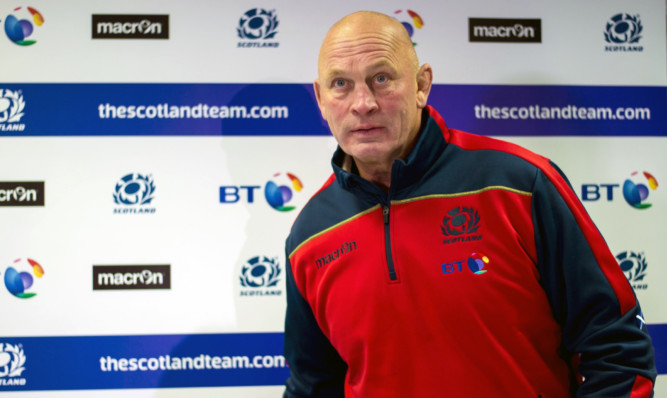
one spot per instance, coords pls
(364, 100)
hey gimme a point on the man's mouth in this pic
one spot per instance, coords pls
(365, 129)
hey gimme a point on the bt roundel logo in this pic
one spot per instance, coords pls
(279, 191)
(20, 277)
(477, 263)
(21, 24)
(636, 189)
(415, 21)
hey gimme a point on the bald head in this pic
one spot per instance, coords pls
(371, 90)
(368, 24)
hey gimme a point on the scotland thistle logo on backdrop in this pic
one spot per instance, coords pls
(11, 106)
(633, 265)
(12, 361)
(11, 110)
(623, 29)
(258, 274)
(623, 32)
(134, 192)
(258, 25)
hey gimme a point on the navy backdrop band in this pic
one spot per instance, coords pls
(290, 109)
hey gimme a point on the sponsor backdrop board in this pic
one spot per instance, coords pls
(154, 154)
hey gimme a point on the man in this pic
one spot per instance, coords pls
(437, 263)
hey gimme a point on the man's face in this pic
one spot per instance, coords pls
(367, 92)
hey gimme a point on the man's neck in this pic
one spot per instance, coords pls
(378, 174)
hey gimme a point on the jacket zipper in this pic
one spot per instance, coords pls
(387, 243)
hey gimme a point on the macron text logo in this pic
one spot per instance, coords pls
(124, 277)
(345, 248)
(499, 30)
(26, 193)
(130, 26)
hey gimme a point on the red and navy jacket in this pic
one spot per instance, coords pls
(479, 274)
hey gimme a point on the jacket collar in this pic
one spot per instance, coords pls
(404, 173)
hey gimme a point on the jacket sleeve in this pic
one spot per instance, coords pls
(316, 369)
(602, 323)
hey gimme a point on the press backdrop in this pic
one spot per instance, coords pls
(154, 154)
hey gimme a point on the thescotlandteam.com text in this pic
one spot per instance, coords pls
(201, 362)
(567, 112)
(199, 111)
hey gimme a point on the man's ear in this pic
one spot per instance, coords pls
(424, 82)
(316, 88)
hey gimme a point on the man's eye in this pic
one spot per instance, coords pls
(381, 79)
(339, 83)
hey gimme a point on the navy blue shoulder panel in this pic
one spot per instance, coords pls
(461, 170)
(330, 206)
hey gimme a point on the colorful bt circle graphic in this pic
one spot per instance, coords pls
(20, 277)
(279, 190)
(636, 189)
(416, 21)
(20, 25)
(477, 262)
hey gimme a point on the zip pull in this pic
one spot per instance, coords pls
(385, 214)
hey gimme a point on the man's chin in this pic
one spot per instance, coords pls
(369, 153)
